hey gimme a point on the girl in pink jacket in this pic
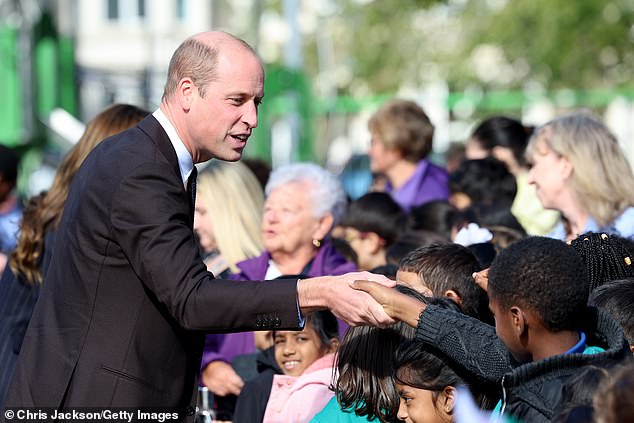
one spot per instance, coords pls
(307, 360)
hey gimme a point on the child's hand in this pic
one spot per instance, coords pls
(397, 305)
(481, 279)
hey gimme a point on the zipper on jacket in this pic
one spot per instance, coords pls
(503, 399)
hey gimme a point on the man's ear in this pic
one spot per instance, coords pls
(453, 295)
(185, 90)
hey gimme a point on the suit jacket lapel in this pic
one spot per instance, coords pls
(155, 131)
(150, 126)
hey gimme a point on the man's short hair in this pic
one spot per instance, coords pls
(198, 61)
(544, 275)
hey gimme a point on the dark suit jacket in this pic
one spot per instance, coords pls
(123, 311)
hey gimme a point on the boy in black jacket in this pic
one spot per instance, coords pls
(545, 332)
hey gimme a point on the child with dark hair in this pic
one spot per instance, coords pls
(506, 138)
(306, 359)
(364, 389)
(427, 385)
(617, 299)
(371, 224)
(614, 399)
(435, 216)
(502, 137)
(485, 181)
(577, 396)
(410, 241)
(445, 270)
(544, 332)
(607, 257)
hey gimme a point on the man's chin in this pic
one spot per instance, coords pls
(231, 156)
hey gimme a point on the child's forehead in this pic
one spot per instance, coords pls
(408, 277)
(414, 281)
(307, 328)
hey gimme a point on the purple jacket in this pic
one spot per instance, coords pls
(429, 182)
(226, 346)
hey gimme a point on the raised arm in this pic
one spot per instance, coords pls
(469, 342)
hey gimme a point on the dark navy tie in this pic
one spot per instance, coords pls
(191, 187)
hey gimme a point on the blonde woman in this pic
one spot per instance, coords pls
(303, 203)
(579, 169)
(229, 201)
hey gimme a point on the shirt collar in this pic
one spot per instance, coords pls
(579, 346)
(185, 162)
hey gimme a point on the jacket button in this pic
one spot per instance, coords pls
(189, 410)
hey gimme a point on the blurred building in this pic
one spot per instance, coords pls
(123, 46)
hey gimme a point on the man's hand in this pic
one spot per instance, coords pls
(220, 378)
(336, 293)
(481, 279)
(396, 304)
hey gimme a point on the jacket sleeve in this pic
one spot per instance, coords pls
(468, 342)
(150, 222)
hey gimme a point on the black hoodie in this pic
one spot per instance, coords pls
(530, 392)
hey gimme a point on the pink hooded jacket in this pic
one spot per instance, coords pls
(298, 399)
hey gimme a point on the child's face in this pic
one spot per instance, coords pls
(412, 280)
(295, 351)
(362, 246)
(418, 406)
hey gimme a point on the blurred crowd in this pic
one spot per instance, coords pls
(513, 262)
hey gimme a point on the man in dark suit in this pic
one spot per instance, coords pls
(122, 315)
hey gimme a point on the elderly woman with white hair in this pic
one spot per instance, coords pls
(579, 169)
(303, 203)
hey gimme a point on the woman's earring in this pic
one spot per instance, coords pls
(317, 243)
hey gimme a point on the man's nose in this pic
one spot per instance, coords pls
(250, 116)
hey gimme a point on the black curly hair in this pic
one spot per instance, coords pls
(544, 275)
